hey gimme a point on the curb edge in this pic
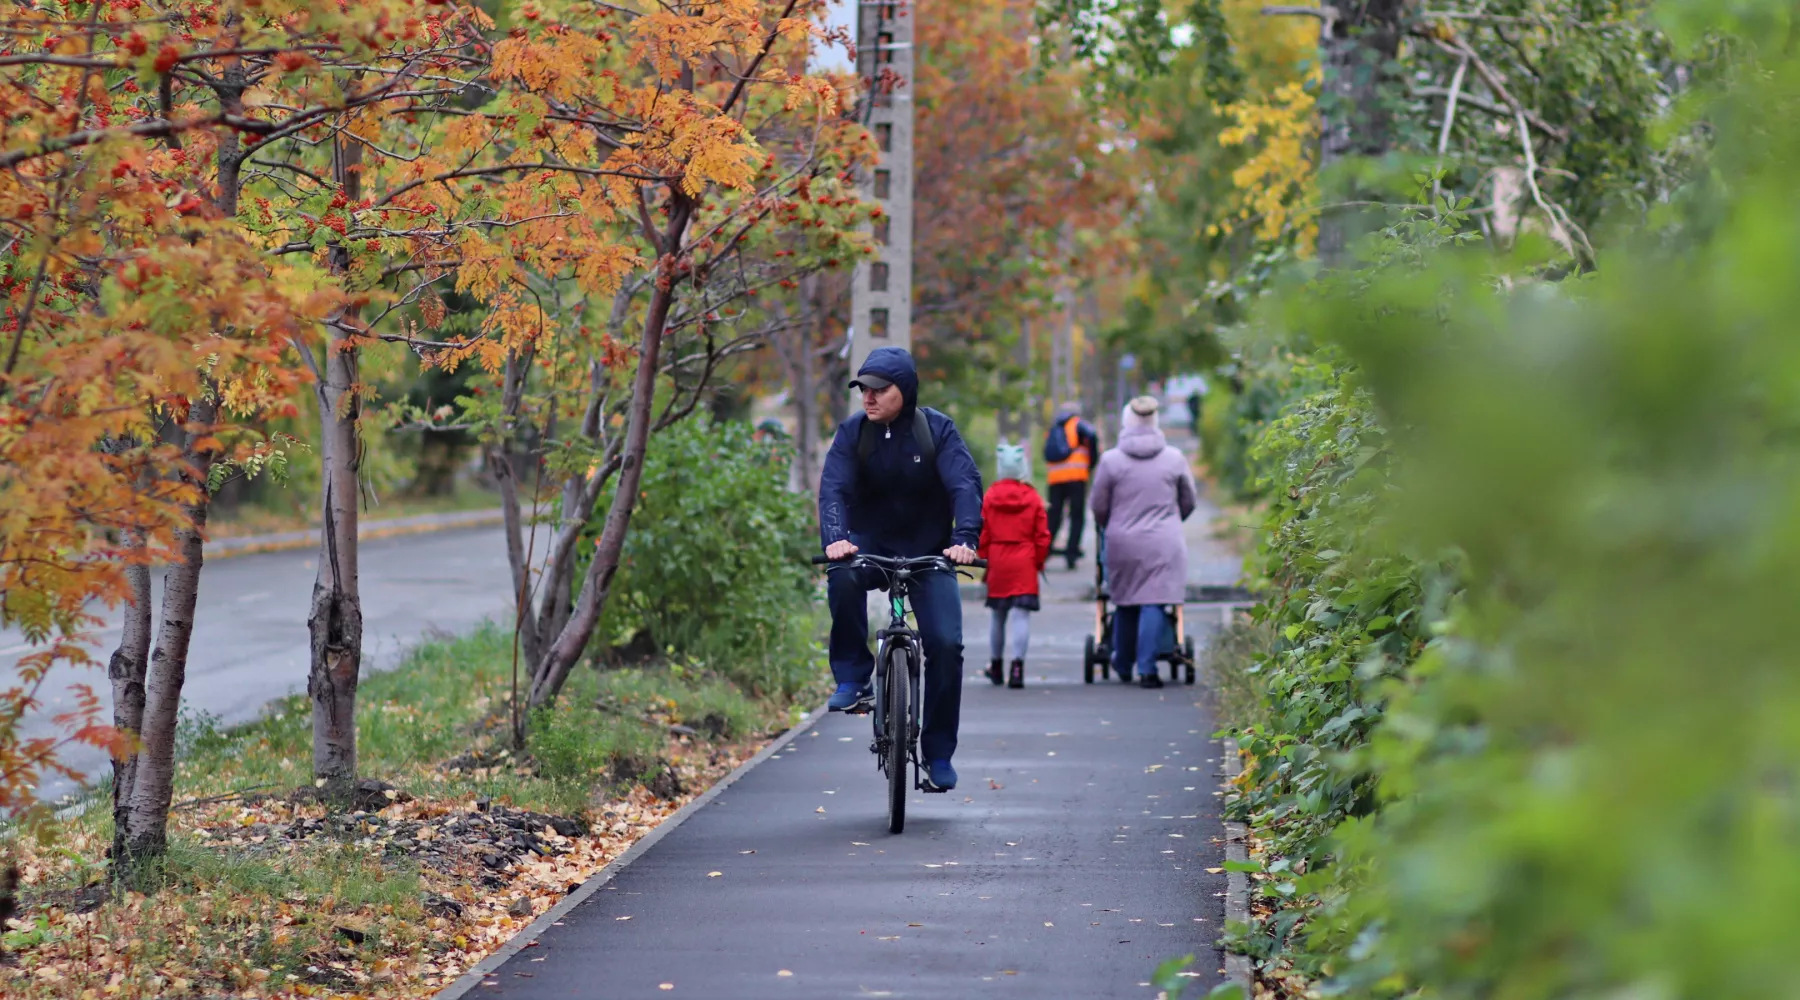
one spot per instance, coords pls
(473, 978)
(288, 541)
(1237, 884)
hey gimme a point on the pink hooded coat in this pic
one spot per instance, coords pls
(1142, 492)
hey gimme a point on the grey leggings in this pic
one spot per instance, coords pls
(1010, 633)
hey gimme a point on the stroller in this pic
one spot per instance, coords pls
(1177, 646)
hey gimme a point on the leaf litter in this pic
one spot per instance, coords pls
(393, 902)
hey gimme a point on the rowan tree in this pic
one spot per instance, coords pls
(703, 141)
(145, 337)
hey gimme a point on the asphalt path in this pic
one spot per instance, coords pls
(1080, 850)
(250, 643)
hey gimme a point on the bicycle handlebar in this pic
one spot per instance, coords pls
(899, 562)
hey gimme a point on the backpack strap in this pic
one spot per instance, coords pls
(865, 439)
(922, 434)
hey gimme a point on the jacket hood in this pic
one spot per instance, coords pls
(1011, 496)
(1142, 442)
(895, 365)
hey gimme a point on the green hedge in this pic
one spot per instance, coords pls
(1528, 728)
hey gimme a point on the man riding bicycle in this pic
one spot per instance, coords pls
(899, 481)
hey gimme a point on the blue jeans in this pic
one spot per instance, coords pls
(937, 605)
(1137, 637)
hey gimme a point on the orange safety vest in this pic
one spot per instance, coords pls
(1073, 469)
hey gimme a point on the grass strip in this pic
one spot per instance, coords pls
(459, 841)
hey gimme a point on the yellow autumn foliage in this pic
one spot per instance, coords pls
(1276, 124)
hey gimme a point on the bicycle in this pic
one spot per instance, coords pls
(896, 705)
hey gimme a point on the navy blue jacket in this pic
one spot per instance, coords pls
(893, 504)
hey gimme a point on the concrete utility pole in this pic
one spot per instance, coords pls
(881, 301)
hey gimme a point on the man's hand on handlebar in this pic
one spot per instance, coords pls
(961, 555)
(840, 550)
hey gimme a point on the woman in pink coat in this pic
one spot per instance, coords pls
(1142, 492)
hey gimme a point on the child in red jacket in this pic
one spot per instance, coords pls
(1015, 541)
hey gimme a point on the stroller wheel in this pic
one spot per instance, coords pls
(1087, 662)
(1187, 647)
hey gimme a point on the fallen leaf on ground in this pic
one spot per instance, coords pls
(1214, 871)
(784, 972)
(621, 918)
(714, 874)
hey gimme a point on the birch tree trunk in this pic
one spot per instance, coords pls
(806, 419)
(553, 670)
(147, 686)
(335, 621)
(518, 558)
(126, 670)
(146, 815)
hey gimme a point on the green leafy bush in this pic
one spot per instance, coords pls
(1340, 614)
(1532, 553)
(716, 565)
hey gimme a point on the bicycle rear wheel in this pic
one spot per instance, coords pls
(898, 712)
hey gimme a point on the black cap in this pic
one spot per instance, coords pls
(868, 381)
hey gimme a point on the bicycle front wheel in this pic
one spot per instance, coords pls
(897, 735)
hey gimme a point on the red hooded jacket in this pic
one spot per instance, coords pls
(1015, 538)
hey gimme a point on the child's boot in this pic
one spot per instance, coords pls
(1017, 678)
(995, 673)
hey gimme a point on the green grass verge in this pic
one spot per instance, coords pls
(1232, 662)
(243, 908)
(449, 698)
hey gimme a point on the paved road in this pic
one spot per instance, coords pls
(250, 640)
(1071, 861)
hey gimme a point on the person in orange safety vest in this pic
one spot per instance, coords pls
(1070, 447)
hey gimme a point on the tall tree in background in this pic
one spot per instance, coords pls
(1021, 187)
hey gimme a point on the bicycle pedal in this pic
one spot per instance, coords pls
(863, 707)
(930, 789)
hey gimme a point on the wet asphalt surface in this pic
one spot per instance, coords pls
(1070, 862)
(250, 643)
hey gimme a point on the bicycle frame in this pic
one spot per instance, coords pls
(898, 642)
